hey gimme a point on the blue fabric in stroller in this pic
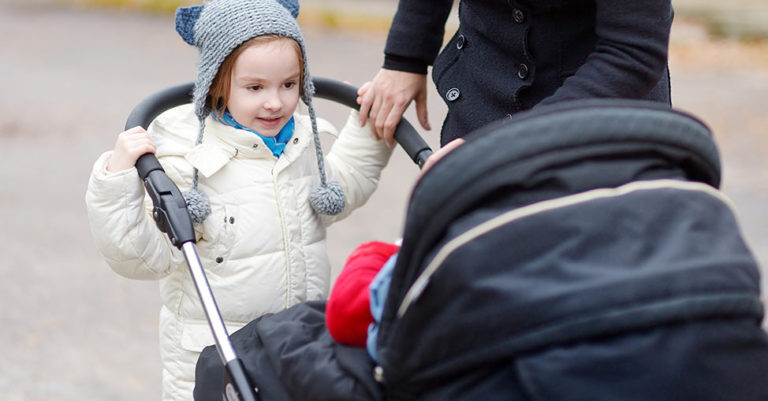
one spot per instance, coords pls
(581, 251)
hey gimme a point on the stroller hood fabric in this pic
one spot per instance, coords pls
(568, 223)
(291, 356)
(594, 223)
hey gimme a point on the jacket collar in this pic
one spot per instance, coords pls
(222, 143)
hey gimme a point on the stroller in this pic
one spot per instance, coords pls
(592, 259)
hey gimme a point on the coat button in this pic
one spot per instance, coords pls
(522, 71)
(295, 140)
(460, 42)
(452, 94)
(231, 220)
(219, 259)
(518, 15)
(378, 374)
(255, 145)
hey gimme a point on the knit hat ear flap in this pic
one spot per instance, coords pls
(198, 204)
(329, 197)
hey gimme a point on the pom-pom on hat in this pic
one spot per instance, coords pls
(216, 29)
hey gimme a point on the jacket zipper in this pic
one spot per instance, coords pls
(288, 280)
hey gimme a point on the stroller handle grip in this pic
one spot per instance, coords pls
(405, 134)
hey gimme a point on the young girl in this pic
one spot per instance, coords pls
(259, 190)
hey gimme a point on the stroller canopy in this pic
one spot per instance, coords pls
(567, 223)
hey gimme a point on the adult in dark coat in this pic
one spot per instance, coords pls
(511, 55)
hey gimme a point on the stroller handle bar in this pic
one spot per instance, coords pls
(405, 134)
(149, 108)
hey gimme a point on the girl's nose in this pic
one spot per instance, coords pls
(273, 102)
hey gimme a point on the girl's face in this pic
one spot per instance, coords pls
(264, 86)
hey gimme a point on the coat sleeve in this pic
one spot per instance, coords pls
(416, 34)
(630, 56)
(356, 160)
(122, 228)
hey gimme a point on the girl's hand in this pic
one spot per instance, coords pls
(129, 147)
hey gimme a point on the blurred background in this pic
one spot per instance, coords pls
(71, 71)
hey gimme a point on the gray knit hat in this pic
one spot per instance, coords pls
(216, 29)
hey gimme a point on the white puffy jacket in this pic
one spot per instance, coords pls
(262, 247)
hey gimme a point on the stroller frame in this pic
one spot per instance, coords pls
(172, 218)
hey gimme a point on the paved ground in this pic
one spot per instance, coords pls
(72, 329)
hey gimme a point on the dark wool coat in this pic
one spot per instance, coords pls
(511, 55)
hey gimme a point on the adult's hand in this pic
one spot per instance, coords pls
(384, 100)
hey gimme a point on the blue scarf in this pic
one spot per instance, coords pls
(276, 143)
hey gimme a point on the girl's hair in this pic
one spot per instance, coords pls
(218, 94)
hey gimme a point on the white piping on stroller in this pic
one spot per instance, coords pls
(420, 284)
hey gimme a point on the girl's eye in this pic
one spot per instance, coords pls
(289, 85)
(254, 87)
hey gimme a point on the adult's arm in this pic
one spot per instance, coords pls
(413, 43)
(630, 56)
(416, 35)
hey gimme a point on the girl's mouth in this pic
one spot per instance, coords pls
(270, 121)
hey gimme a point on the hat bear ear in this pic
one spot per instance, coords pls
(292, 6)
(186, 17)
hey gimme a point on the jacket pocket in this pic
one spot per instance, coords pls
(446, 59)
(195, 336)
(218, 234)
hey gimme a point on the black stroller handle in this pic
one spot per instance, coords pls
(405, 134)
(339, 92)
(170, 211)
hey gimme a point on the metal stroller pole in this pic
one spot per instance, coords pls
(238, 385)
(226, 351)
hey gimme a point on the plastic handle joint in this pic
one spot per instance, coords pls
(170, 209)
